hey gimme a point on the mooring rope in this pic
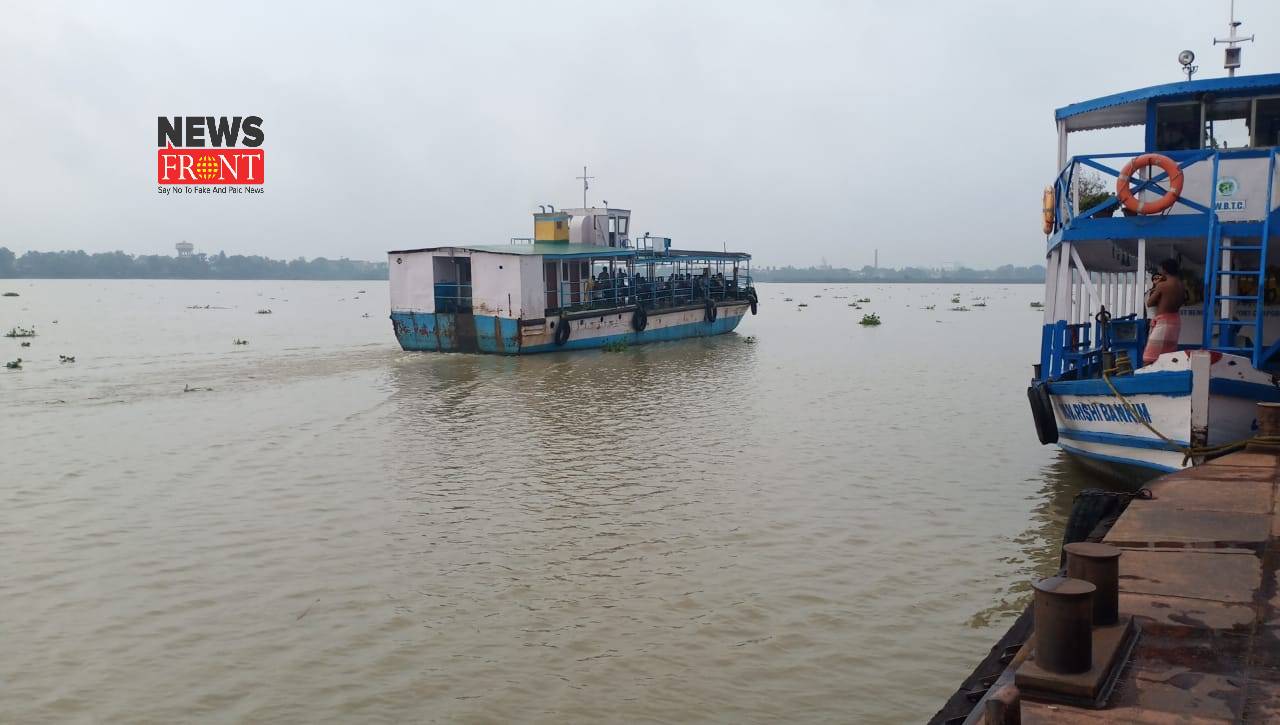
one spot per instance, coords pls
(1188, 452)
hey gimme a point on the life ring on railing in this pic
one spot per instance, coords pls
(1048, 209)
(709, 311)
(639, 319)
(562, 331)
(1131, 202)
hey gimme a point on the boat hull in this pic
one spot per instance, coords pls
(1095, 425)
(491, 334)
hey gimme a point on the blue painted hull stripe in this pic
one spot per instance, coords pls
(1116, 459)
(664, 334)
(1173, 383)
(500, 335)
(1118, 439)
(1242, 389)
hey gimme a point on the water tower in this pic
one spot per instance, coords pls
(184, 248)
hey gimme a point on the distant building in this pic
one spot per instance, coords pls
(184, 248)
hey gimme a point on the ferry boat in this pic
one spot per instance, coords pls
(582, 281)
(1202, 190)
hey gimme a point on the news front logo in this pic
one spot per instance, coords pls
(210, 154)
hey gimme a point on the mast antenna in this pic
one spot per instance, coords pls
(1231, 59)
(585, 185)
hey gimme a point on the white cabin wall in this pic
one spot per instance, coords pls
(495, 284)
(533, 297)
(1250, 176)
(411, 282)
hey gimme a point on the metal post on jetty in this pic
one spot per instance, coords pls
(1172, 601)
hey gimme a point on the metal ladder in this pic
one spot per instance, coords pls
(1217, 326)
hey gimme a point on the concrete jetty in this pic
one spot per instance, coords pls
(1197, 576)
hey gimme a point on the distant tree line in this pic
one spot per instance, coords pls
(1005, 273)
(118, 265)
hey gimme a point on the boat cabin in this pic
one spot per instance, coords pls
(1208, 200)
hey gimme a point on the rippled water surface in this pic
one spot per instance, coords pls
(829, 524)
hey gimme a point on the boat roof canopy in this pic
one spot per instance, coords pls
(1130, 107)
(566, 250)
(560, 250)
(696, 254)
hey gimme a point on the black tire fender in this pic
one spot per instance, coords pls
(709, 311)
(639, 319)
(1042, 414)
(562, 331)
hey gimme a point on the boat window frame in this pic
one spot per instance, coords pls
(1199, 104)
(1249, 118)
(1253, 124)
(1203, 136)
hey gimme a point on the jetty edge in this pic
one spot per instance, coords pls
(1196, 576)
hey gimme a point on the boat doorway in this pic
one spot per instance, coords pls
(550, 270)
(452, 283)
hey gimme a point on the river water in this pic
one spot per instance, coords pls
(805, 521)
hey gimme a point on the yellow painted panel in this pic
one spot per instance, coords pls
(550, 230)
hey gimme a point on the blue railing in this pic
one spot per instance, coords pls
(652, 295)
(1065, 348)
(1069, 350)
(1065, 215)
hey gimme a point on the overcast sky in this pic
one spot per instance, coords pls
(792, 130)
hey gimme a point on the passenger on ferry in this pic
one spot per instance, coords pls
(1167, 295)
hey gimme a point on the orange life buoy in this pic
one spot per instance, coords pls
(1048, 209)
(1168, 166)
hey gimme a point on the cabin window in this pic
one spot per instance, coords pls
(622, 225)
(1267, 130)
(1178, 126)
(1226, 123)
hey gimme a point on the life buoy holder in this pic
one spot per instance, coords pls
(709, 311)
(1048, 205)
(639, 319)
(562, 331)
(1125, 194)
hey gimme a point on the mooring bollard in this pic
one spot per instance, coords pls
(1064, 623)
(1098, 564)
(1004, 707)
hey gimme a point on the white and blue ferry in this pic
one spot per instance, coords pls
(582, 281)
(1201, 189)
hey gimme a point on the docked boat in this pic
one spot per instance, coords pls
(582, 281)
(1200, 191)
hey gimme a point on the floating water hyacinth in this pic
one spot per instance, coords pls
(870, 320)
